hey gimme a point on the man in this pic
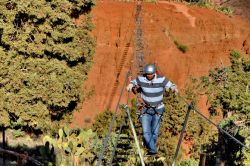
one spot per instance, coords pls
(151, 86)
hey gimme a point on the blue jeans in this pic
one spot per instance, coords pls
(150, 121)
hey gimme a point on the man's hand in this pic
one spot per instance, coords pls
(129, 87)
(175, 90)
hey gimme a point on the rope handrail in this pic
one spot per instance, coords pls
(216, 125)
(112, 121)
(119, 132)
(191, 107)
(21, 156)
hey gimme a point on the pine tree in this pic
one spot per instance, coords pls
(45, 57)
(228, 91)
(196, 133)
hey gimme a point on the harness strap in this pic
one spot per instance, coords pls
(154, 108)
(142, 105)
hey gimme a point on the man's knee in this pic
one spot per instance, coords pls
(147, 135)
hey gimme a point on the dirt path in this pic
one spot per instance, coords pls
(182, 8)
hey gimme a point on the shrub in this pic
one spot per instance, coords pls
(188, 162)
(225, 10)
(183, 48)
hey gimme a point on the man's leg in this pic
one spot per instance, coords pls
(146, 120)
(156, 121)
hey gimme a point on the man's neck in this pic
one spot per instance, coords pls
(152, 78)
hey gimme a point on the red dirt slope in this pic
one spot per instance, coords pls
(209, 36)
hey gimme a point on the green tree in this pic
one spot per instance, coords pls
(228, 91)
(45, 57)
(196, 134)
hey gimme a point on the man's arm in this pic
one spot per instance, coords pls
(170, 85)
(132, 84)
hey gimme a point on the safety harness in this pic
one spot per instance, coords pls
(142, 105)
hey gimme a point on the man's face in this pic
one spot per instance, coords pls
(150, 76)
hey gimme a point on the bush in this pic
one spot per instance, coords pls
(18, 133)
(225, 10)
(188, 162)
(77, 144)
(183, 48)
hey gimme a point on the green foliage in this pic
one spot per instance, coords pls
(225, 10)
(71, 143)
(150, 1)
(247, 157)
(101, 123)
(47, 152)
(183, 48)
(44, 60)
(201, 3)
(18, 133)
(188, 162)
(228, 87)
(208, 4)
(197, 132)
(228, 91)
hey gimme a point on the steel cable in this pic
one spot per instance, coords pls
(112, 122)
(135, 135)
(119, 132)
(216, 125)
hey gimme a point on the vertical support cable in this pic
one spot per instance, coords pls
(217, 126)
(112, 122)
(119, 133)
(182, 133)
(135, 136)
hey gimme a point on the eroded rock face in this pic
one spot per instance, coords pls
(209, 36)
